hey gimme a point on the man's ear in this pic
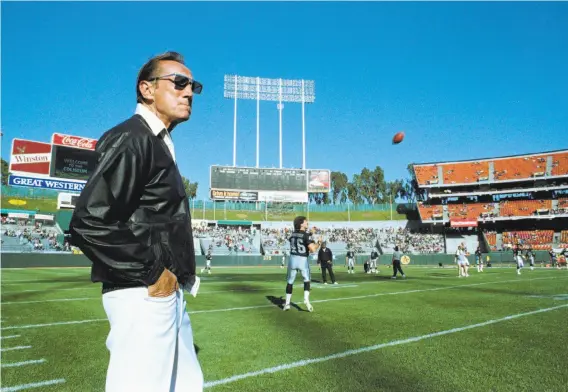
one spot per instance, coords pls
(147, 90)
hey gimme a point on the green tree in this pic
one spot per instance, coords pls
(339, 182)
(190, 187)
(5, 172)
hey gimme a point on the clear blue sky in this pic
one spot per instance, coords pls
(463, 80)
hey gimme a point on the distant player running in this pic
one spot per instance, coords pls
(350, 258)
(463, 263)
(479, 259)
(518, 257)
(207, 262)
(530, 257)
(301, 245)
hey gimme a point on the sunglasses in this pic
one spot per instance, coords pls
(181, 82)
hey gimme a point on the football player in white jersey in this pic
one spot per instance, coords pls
(301, 245)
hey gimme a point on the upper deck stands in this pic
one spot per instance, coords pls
(517, 168)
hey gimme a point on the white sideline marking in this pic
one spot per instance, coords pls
(18, 364)
(310, 361)
(9, 337)
(53, 324)
(272, 305)
(15, 348)
(33, 385)
(48, 300)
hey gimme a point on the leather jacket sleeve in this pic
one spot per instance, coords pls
(99, 223)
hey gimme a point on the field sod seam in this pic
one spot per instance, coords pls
(272, 305)
(33, 385)
(24, 363)
(309, 361)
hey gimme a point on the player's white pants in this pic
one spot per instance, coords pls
(520, 263)
(372, 264)
(350, 263)
(150, 343)
(295, 264)
(208, 264)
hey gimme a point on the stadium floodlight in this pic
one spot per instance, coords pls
(265, 89)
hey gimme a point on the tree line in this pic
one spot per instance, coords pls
(369, 187)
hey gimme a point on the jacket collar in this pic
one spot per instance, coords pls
(155, 124)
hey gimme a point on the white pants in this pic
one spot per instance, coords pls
(150, 343)
(350, 263)
(373, 264)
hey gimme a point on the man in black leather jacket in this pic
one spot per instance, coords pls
(132, 220)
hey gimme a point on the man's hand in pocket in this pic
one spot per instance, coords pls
(165, 286)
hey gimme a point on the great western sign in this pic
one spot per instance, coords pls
(46, 183)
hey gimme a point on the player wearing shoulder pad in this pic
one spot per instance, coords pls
(208, 259)
(373, 263)
(518, 257)
(350, 258)
(301, 245)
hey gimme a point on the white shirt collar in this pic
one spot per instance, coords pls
(156, 125)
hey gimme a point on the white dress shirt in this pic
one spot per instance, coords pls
(157, 126)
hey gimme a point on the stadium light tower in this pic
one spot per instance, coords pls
(264, 89)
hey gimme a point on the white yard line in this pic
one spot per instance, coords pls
(15, 348)
(309, 361)
(33, 385)
(272, 305)
(53, 324)
(49, 300)
(24, 363)
(10, 337)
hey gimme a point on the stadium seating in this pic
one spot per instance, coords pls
(519, 167)
(510, 168)
(564, 238)
(538, 239)
(469, 211)
(430, 212)
(426, 174)
(523, 207)
(560, 164)
(491, 237)
(465, 173)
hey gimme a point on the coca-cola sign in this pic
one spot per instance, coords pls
(84, 143)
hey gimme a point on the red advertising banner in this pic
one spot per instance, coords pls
(30, 157)
(85, 143)
(463, 223)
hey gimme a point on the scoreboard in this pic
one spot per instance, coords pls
(241, 183)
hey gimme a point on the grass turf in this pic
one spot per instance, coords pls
(520, 354)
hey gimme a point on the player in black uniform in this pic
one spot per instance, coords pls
(208, 258)
(350, 259)
(301, 245)
(373, 262)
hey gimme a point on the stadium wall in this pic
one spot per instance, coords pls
(59, 260)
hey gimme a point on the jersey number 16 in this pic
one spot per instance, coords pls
(298, 245)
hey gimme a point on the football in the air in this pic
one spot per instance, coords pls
(399, 137)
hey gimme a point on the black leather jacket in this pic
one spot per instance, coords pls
(132, 219)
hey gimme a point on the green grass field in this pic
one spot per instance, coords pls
(492, 331)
